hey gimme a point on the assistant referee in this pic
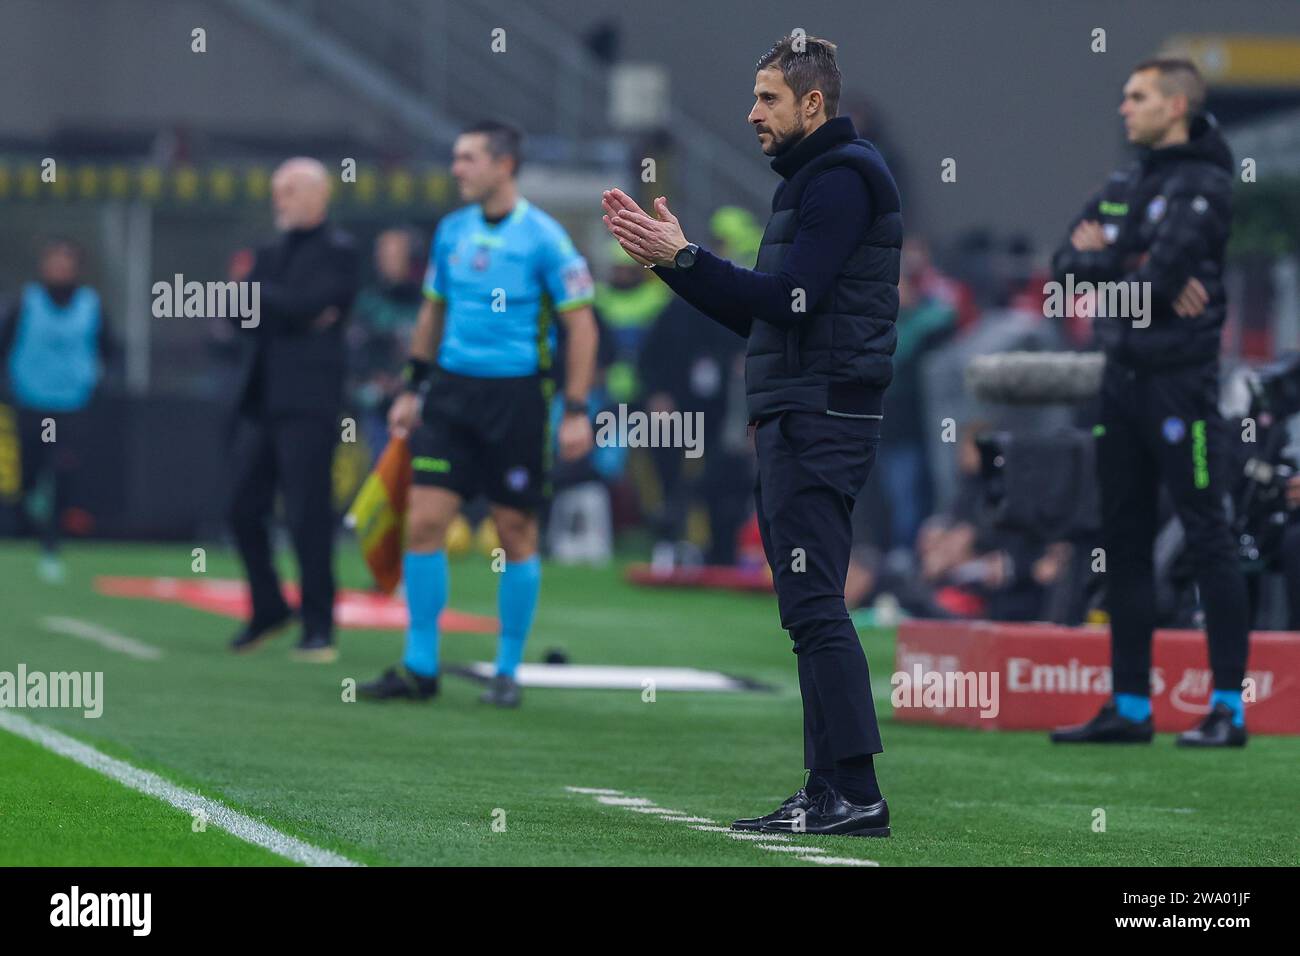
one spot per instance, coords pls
(476, 405)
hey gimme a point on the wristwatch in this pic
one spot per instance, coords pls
(573, 406)
(686, 255)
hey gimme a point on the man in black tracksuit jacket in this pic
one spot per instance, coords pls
(818, 313)
(1164, 220)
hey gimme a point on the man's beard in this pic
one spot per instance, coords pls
(789, 141)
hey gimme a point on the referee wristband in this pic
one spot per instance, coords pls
(416, 373)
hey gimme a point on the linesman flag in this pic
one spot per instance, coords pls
(378, 515)
(11, 461)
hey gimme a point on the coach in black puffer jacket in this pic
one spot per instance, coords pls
(820, 322)
(818, 313)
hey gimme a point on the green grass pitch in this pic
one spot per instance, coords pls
(399, 783)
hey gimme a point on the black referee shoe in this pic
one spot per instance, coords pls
(397, 683)
(831, 814)
(1216, 730)
(256, 633)
(503, 691)
(1108, 727)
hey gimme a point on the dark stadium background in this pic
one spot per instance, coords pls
(164, 156)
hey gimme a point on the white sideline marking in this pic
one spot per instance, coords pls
(783, 848)
(760, 838)
(101, 636)
(776, 842)
(659, 810)
(745, 835)
(626, 801)
(218, 814)
(838, 860)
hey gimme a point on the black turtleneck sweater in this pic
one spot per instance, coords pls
(308, 271)
(831, 213)
(293, 365)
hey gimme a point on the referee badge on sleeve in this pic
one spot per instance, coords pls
(577, 282)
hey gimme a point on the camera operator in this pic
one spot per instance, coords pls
(1161, 225)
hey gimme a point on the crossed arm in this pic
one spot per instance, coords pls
(1167, 264)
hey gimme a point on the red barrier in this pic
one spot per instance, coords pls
(352, 608)
(1042, 676)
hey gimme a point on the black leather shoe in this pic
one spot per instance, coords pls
(833, 815)
(1108, 727)
(316, 649)
(256, 633)
(799, 800)
(398, 682)
(1216, 730)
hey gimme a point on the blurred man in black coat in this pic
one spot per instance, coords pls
(289, 397)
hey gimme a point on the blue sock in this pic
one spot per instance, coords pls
(1231, 699)
(521, 582)
(426, 596)
(1134, 707)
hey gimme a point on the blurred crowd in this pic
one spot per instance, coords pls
(924, 544)
(659, 355)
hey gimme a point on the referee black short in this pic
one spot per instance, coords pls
(487, 436)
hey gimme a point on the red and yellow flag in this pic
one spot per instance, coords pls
(378, 515)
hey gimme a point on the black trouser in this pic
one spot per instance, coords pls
(45, 451)
(295, 456)
(1162, 428)
(810, 469)
(669, 524)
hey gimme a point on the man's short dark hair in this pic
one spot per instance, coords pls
(1176, 76)
(807, 63)
(503, 139)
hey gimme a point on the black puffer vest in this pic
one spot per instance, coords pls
(837, 358)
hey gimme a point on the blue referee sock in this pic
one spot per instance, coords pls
(1134, 707)
(521, 582)
(1232, 700)
(426, 596)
